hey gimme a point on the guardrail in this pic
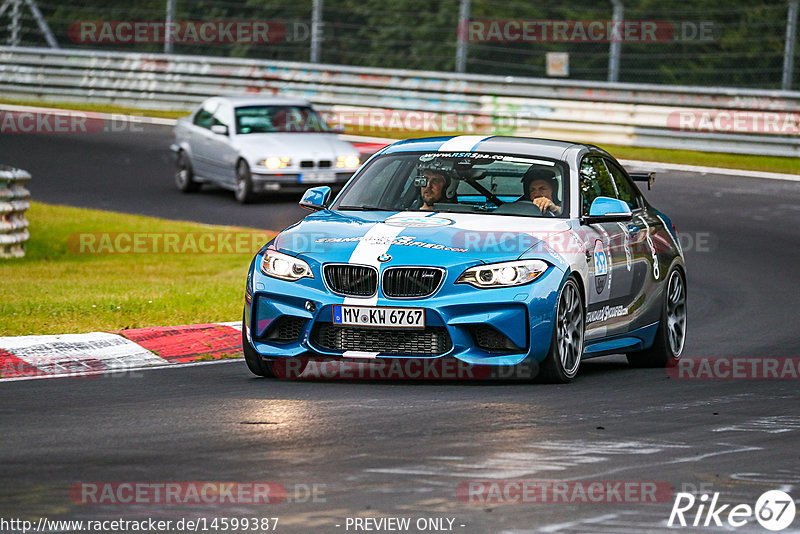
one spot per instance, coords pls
(714, 119)
(13, 205)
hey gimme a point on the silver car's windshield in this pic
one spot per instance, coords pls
(284, 119)
(499, 184)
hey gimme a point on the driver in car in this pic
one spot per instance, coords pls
(437, 184)
(433, 191)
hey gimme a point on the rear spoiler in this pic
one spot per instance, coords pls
(649, 177)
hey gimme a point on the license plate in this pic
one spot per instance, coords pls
(311, 177)
(379, 316)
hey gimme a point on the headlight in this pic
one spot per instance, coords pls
(274, 163)
(347, 162)
(285, 267)
(512, 273)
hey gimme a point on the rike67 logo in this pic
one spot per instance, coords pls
(774, 510)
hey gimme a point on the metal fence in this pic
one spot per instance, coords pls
(13, 205)
(736, 43)
(713, 119)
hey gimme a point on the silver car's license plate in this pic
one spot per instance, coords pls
(379, 316)
(312, 177)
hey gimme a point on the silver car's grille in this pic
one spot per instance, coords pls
(409, 282)
(352, 280)
(310, 164)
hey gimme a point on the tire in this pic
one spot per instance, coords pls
(671, 335)
(566, 348)
(254, 361)
(268, 368)
(184, 176)
(244, 183)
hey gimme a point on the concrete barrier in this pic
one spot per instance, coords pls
(13, 205)
(715, 119)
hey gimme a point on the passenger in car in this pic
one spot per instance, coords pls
(541, 188)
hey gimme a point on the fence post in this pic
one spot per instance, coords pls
(15, 25)
(316, 29)
(13, 205)
(615, 48)
(169, 18)
(462, 36)
(791, 39)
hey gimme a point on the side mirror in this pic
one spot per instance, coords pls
(606, 209)
(316, 198)
(220, 129)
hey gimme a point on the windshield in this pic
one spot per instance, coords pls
(285, 119)
(498, 184)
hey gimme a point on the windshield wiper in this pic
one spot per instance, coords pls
(483, 208)
(362, 208)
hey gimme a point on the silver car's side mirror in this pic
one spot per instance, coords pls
(220, 129)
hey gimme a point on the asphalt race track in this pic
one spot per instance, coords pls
(130, 172)
(345, 449)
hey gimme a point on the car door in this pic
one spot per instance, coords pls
(222, 157)
(199, 138)
(648, 236)
(609, 282)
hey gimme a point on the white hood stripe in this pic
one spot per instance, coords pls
(375, 242)
(463, 143)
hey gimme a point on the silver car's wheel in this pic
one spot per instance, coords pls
(244, 183)
(671, 334)
(562, 362)
(184, 177)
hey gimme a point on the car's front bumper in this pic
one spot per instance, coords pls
(462, 322)
(298, 179)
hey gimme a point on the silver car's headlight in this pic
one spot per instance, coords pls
(285, 267)
(511, 273)
(350, 161)
(274, 163)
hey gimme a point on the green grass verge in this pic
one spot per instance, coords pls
(708, 159)
(60, 288)
(685, 157)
